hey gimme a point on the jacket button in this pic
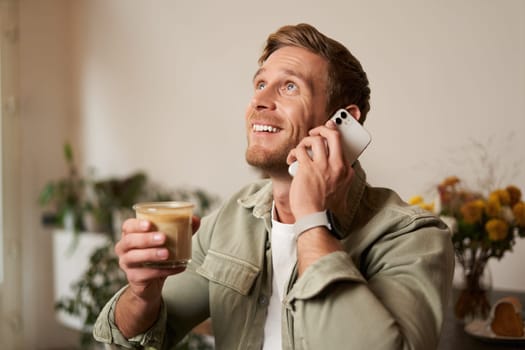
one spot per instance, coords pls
(263, 300)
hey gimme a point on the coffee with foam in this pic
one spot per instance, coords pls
(173, 219)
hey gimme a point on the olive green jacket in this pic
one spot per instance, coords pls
(388, 290)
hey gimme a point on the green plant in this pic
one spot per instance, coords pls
(114, 194)
(102, 279)
(79, 203)
(66, 195)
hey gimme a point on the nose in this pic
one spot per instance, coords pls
(263, 99)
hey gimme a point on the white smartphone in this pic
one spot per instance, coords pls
(355, 137)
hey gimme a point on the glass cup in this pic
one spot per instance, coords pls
(174, 219)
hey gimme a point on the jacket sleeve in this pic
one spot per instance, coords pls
(394, 300)
(105, 330)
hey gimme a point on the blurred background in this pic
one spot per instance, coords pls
(161, 86)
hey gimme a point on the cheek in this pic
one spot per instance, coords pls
(301, 119)
(247, 114)
(248, 111)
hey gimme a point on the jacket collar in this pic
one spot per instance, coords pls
(261, 201)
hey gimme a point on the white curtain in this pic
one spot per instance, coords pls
(11, 276)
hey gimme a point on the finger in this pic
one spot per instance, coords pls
(328, 131)
(330, 124)
(299, 153)
(139, 241)
(291, 157)
(138, 257)
(304, 145)
(136, 225)
(318, 146)
(333, 140)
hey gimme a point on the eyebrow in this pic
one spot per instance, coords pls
(257, 73)
(299, 76)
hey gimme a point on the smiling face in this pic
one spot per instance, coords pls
(289, 99)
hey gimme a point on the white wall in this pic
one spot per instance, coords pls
(45, 111)
(162, 86)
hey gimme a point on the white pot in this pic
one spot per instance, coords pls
(70, 261)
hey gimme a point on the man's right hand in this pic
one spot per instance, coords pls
(138, 307)
(141, 243)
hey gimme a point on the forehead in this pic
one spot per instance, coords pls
(296, 61)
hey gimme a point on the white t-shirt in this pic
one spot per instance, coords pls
(284, 257)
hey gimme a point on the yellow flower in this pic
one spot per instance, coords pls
(427, 206)
(519, 213)
(419, 201)
(514, 194)
(497, 229)
(415, 200)
(502, 195)
(493, 207)
(472, 211)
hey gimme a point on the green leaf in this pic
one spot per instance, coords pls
(47, 194)
(68, 152)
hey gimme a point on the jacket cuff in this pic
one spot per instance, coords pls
(334, 267)
(106, 331)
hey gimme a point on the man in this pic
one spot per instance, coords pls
(320, 260)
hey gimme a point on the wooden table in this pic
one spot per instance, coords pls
(453, 336)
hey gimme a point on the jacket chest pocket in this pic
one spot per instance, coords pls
(228, 271)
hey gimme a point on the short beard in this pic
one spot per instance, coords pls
(266, 162)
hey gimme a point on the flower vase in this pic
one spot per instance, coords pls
(474, 289)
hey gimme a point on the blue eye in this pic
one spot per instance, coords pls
(291, 87)
(260, 85)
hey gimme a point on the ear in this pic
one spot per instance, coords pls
(354, 111)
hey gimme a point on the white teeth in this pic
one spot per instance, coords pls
(266, 128)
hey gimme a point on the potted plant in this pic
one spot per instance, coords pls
(66, 195)
(483, 227)
(93, 210)
(113, 199)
